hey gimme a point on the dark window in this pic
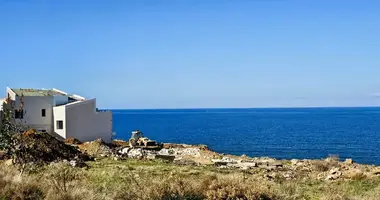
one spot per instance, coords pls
(43, 131)
(19, 114)
(43, 112)
(60, 124)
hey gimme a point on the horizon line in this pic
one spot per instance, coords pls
(214, 108)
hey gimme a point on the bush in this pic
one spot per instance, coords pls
(62, 177)
(327, 164)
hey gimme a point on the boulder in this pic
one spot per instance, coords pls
(349, 161)
(294, 161)
(167, 152)
(243, 165)
(334, 174)
(276, 164)
(376, 171)
(135, 153)
(224, 161)
(124, 151)
(354, 174)
(8, 162)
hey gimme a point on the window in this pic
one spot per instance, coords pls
(43, 112)
(19, 114)
(60, 124)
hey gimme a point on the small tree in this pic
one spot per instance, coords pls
(8, 126)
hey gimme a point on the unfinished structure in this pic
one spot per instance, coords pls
(59, 113)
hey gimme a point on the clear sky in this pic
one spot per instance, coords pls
(196, 53)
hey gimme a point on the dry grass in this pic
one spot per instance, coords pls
(327, 164)
(145, 180)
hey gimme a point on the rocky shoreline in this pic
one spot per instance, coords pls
(328, 169)
(122, 171)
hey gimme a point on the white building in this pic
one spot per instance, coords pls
(60, 114)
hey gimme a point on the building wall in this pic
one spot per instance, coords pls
(11, 94)
(59, 113)
(33, 112)
(85, 124)
(1, 103)
(1, 109)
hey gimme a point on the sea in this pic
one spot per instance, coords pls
(282, 133)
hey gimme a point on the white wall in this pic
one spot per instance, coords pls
(1, 110)
(1, 103)
(85, 124)
(33, 112)
(11, 94)
(59, 113)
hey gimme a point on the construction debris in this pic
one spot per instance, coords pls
(72, 141)
(96, 148)
(138, 140)
(41, 148)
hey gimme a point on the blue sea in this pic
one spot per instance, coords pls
(286, 133)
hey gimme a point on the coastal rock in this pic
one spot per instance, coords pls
(271, 165)
(266, 160)
(124, 151)
(167, 152)
(243, 165)
(354, 174)
(294, 161)
(73, 163)
(288, 175)
(8, 162)
(376, 171)
(334, 174)
(349, 161)
(276, 164)
(270, 176)
(191, 151)
(135, 153)
(224, 161)
(150, 156)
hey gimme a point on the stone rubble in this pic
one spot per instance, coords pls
(330, 169)
(334, 174)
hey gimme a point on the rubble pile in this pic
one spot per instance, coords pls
(96, 148)
(120, 143)
(72, 141)
(189, 151)
(41, 148)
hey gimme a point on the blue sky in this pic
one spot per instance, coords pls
(193, 54)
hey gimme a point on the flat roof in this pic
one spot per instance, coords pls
(37, 92)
